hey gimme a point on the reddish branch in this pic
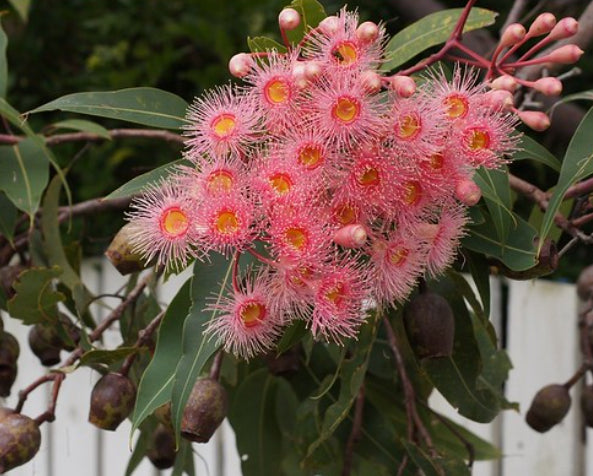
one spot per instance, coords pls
(144, 336)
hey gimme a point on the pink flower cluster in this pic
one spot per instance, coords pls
(348, 186)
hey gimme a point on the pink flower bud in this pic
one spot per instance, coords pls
(367, 32)
(499, 99)
(565, 28)
(312, 69)
(548, 86)
(467, 192)
(240, 65)
(505, 82)
(289, 19)
(329, 25)
(351, 236)
(513, 34)
(404, 86)
(536, 120)
(542, 24)
(371, 81)
(299, 74)
(566, 54)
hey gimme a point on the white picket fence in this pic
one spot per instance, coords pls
(540, 323)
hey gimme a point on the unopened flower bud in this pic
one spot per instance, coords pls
(329, 25)
(565, 28)
(467, 192)
(205, 410)
(121, 254)
(548, 408)
(512, 35)
(289, 19)
(536, 120)
(542, 24)
(499, 99)
(351, 236)
(371, 81)
(549, 86)
(112, 400)
(161, 447)
(20, 439)
(566, 54)
(506, 83)
(404, 86)
(240, 65)
(367, 32)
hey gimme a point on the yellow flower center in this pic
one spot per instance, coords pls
(345, 214)
(281, 183)
(346, 110)
(408, 126)
(224, 125)
(345, 53)
(310, 157)
(436, 161)
(219, 181)
(252, 313)
(456, 106)
(412, 193)
(335, 294)
(174, 222)
(227, 222)
(296, 238)
(478, 139)
(277, 91)
(398, 256)
(369, 176)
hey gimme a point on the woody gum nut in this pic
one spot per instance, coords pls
(161, 450)
(9, 352)
(587, 405)
(205, 410)
(548, 408)
(121, 255)
(20, 439)
(112, 400)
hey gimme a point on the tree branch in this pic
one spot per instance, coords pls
(354, 433)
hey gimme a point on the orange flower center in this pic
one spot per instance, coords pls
(398, 256)
(456, 106)
(346, 110)
(277, 91)
(300, 275)
(310, 157)
(408, 127)
(174, 222)
(412, 193)
(224, 125)
(252, 313)
(436, 161)
(345, 214)
(335, 294)
(345, 53)
(478, 139)
(369, 176)
(281, 183)
(296, 238)
(226, 222)
(220, 181)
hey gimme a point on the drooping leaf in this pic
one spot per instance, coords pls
(263, 43)
(293, 334)
(106, 356)
(82, 125)
(147, 106)
(196, 347)
(312, 12)
(156, 383)
(141, 446)
(184, 461)
(138, 184)
(497, 195)
(3, 62)
(480, 271)
(577, 164)
(25, 172)
(529, 149)
(36, 299)
(581, 96)
(22, 8)
(8, 217)
(431, 30)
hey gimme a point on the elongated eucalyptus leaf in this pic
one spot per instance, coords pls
(3, 62)
(431, 30)
(529, 149)
(196, 347)
(312, 12)
(497, 194)
(480, 271)
(106, 356)
(577, 164)
(8, 217)
(147, 106)
(138, 184)
(82, 125)
(581, 96)
(156, 383)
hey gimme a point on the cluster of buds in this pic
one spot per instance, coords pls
(347, 185)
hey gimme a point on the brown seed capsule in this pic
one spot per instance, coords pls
(163, 414)
(41, 342)
(161, 449)
(205, 410)
(121, 255)
(587, 405)
(20, 439)
(9, 352)
(430, 325)
(548, 408)
(286, 364)
(112, 400)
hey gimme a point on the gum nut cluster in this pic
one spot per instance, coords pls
(346, 185)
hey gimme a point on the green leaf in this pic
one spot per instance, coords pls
(25, 172)
(106, 357)
(431, 30)
(82, 125)
(352, 373)
(253, 417)
(480, 271)
(50, 226)
(581, 96)
(292, 335)
(196, 347)
(156, 383)
(35, 299)
(263, 43)
(532, 150)
(21, 7)
(312, 12)
(184, 461)
(8, 217)
(138, 184)
(577, 164)
(147, 106)
(497, 195)
(141, 446)
(3, 62)
(517, 253)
